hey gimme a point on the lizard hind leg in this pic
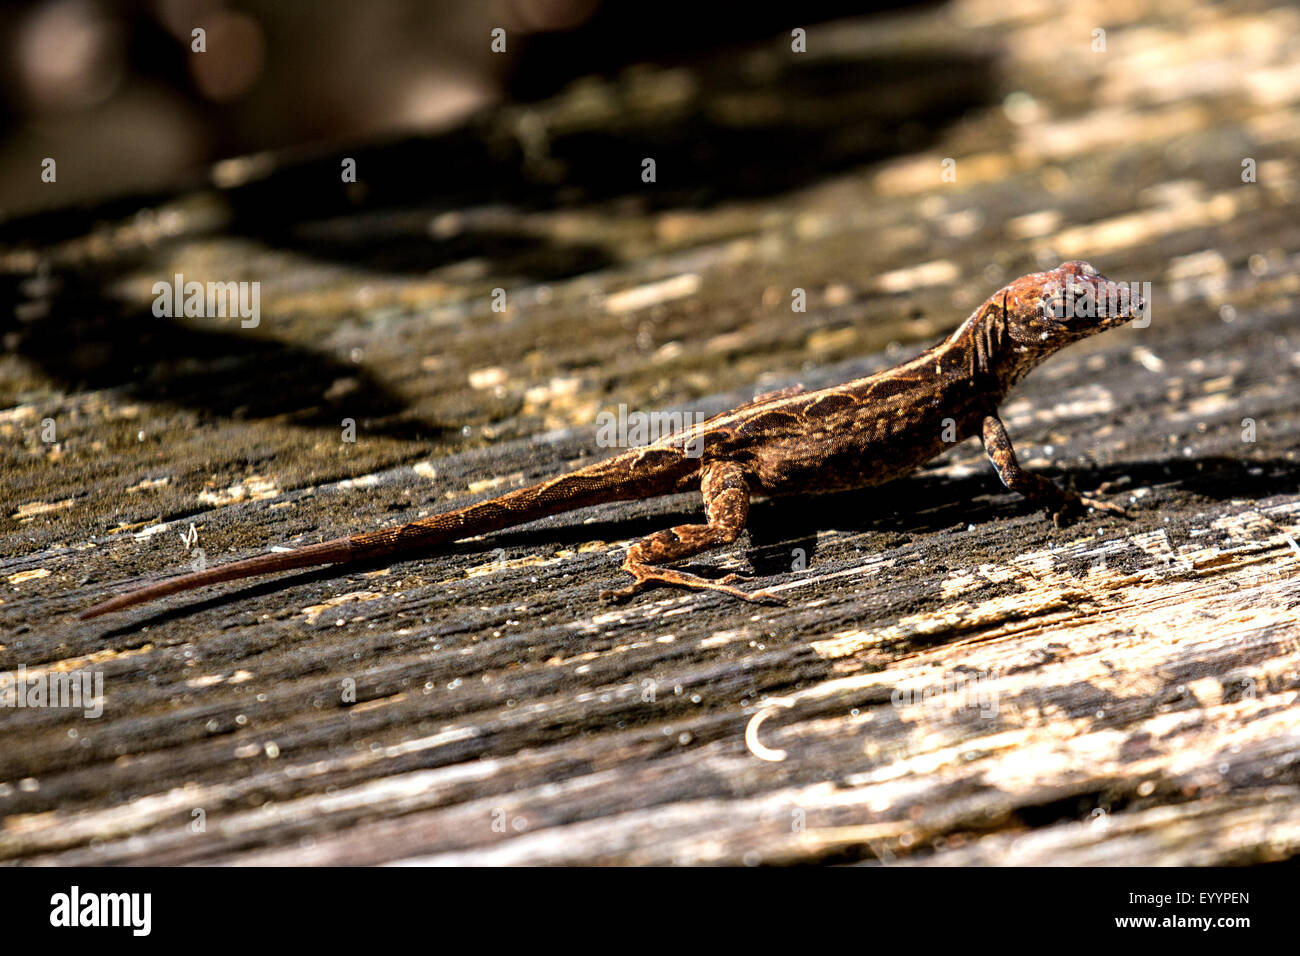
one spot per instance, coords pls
(726, 505)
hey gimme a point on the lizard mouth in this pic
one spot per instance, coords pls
(1127, 304)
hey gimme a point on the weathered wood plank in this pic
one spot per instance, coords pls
(1114, 692)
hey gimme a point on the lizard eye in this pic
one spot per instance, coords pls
(1079, 267)
(1055, 306)
(1072, 299)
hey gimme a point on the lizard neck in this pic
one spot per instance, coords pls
(983, 347)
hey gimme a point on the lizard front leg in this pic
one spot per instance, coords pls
(726, 505)
(1037, 489)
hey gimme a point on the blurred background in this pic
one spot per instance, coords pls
(116, 92)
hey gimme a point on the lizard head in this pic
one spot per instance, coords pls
(1046, 311)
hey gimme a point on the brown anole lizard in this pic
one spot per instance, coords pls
(862, 433)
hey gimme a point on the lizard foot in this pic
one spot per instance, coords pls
(1103, 506)
(759, 597)
(645, 577)
(1073, 504)
(622, 594)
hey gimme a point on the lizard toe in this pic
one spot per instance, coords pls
(1100, 505)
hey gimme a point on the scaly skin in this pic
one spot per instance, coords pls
(856, 435)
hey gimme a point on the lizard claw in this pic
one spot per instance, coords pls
(1072, 506)
(759, 597)
(680, 579)
(1103, 505)
(622, 594)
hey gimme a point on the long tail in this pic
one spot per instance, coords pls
(656, 472)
